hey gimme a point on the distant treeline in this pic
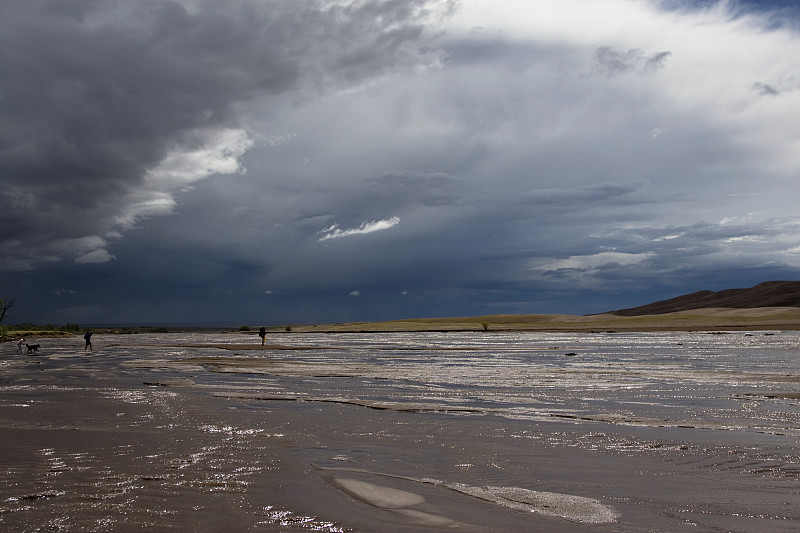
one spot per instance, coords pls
(27, 326)
(8, 331)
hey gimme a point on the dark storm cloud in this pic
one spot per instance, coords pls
(268, 160)
(95, 96)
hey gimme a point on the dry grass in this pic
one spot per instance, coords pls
(771, 318)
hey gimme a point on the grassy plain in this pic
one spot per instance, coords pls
(723, 319)
(710, 319)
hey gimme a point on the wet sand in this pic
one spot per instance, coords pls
(140, 437)
(89, 464)
(84, 462)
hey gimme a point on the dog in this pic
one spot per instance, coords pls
(32, 347)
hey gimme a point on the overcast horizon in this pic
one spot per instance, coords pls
(276, 162)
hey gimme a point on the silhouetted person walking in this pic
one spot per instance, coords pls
(88, 338)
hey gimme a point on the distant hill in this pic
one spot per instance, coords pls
(767, 294)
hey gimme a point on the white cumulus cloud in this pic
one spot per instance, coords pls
(335, 232)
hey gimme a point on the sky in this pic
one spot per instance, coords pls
(279, 162)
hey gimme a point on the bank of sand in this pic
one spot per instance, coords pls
(724, 319)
